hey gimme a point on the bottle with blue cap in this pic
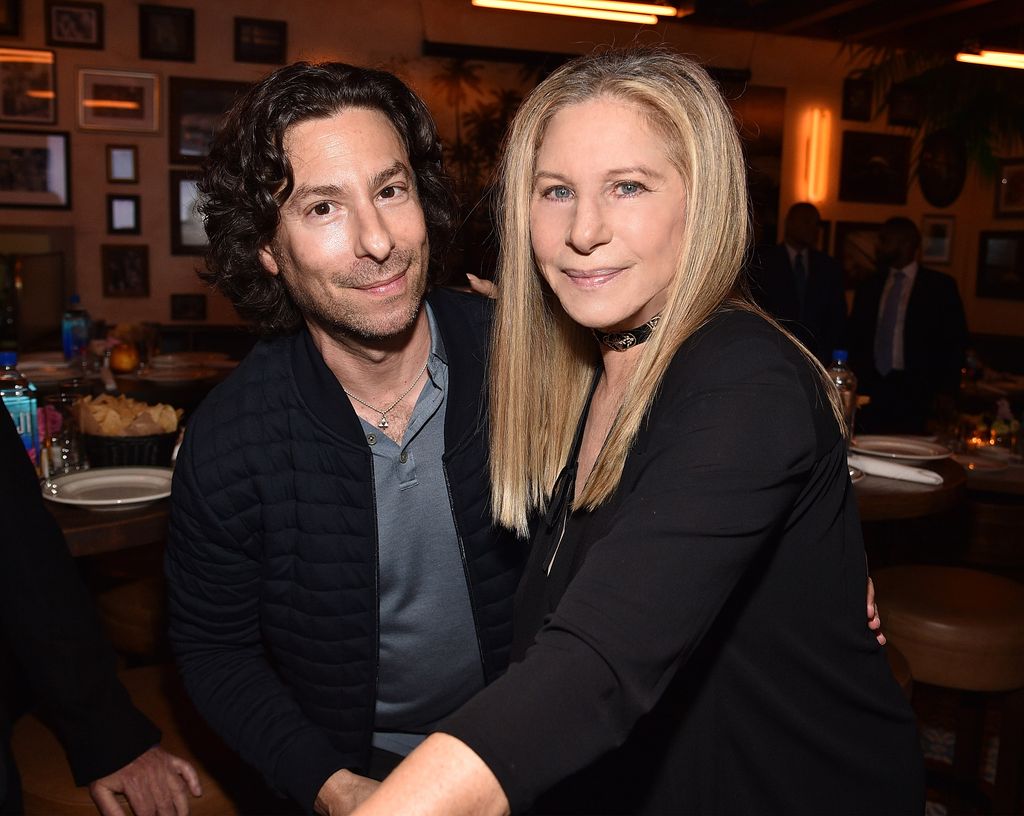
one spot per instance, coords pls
(845, 382)
(19, 397)
(74, 330)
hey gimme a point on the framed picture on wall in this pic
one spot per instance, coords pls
(122, 164)
(118, 100)
(34, 169)
(856, 242)
(857, 99)
(874, 168)
(10, 18)
(261, 40)
(188, 306)
(167, 33)
(73, 24)
(196, 109)
(937, 239)
(123, 214)
(28, 86)
(188, 237)
(1001, 265)
(125, 270)
(1010, 189)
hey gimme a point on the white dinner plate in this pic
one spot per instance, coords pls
(184, 359)
(110, 488)
(176, 376)
(856, 475)
(45, 374)
(911, 448)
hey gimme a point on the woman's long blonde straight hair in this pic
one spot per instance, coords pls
(542, 361)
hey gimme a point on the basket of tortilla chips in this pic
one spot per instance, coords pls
(122, 432)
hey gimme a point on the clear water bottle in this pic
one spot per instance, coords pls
(74, 330)
(845, 382)
(19, 397)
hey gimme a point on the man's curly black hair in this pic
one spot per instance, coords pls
(248, 176)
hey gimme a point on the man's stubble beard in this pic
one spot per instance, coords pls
(341, 320)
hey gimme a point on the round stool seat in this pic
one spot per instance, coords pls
(47, 784)
(957, 628)
(900, 669)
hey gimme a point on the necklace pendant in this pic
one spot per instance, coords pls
(383, 424)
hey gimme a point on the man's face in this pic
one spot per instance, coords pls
(351, 245)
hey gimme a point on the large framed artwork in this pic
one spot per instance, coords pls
(1001, 265)
(28, 86)
(34, 169)
(856, 244)
(874, 168)
(118, 100)
(196, 109)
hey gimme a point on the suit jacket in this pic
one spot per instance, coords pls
(48, 624)
(821, 324)
(934, 333)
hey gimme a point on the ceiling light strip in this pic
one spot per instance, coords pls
(1002, 59)
(568, 11)
(612, 5)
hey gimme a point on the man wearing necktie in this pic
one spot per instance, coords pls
(802, 287)
(908, 335)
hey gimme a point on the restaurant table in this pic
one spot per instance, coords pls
(1008, 482)
(92, 532)
(882, 499)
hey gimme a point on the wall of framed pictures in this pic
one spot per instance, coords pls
(130, 94)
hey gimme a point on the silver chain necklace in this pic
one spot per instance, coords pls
(384, 424)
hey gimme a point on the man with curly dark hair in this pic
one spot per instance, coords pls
(335, 584)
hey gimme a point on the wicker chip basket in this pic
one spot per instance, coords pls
(130, 451)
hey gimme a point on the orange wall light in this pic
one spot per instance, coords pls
(818, 127)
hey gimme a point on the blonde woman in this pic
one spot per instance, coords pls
(689, 631)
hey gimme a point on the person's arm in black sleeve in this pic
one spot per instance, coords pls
(213, 605)
(49, 621)
(644, 597)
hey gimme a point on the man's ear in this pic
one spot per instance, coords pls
(268, 260)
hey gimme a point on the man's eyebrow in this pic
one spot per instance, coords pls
(307, 191)
(398, 168)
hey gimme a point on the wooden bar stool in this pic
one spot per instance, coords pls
(964, 629)
(47, 784)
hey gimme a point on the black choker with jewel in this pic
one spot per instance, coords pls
(620, 341)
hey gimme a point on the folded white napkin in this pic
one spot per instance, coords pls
(893, 470)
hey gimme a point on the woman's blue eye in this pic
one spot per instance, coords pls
(630, 187)
(560, 192)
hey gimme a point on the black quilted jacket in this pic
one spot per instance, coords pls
(272, 552)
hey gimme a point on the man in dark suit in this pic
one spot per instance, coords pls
(908, 335)
(802, 287)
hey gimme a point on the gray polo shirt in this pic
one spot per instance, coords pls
(429, 658)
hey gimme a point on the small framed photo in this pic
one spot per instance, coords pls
(188, 236)
(34, 169)
(125, 270)
(167, 33)
(118, 100)
(1001, 265)
(73, 24)
(188, 307)
(1010, 189)
(28, 86)
(123, 214)
(857, 99)
(10, 18)
(197, 107)
(937, 239)
(261, 40)
(122, 164)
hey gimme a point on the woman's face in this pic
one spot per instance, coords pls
(607, 214)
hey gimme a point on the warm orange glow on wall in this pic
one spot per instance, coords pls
(1002, 59)
(110, 104)
(570, 11)
(24, 55)
(818, 130)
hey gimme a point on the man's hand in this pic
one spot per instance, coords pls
(155, 782)
(874, 621)
(343, 792)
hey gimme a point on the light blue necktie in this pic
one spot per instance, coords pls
(886, 332)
